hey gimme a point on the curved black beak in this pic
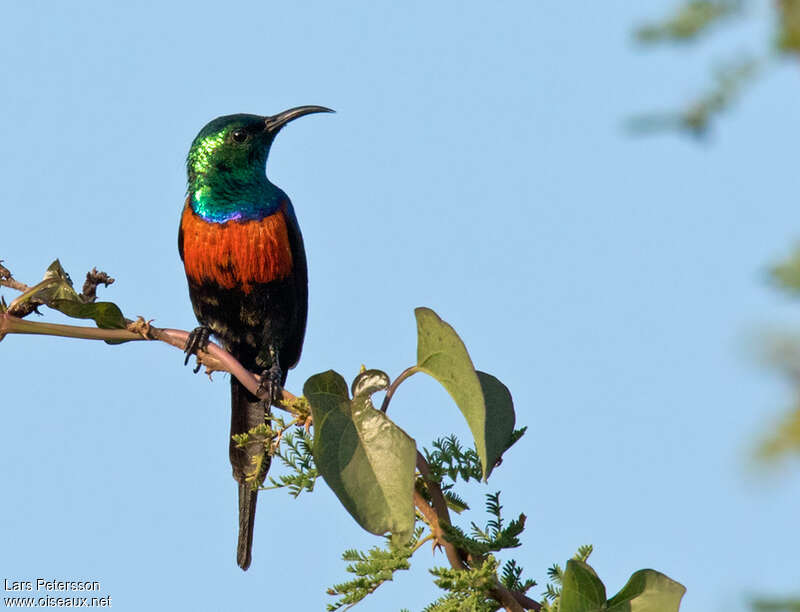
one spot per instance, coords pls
(276, 122)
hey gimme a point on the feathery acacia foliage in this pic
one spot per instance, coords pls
(296, 454)
(692, 20)
(372, 569)
(468, 589)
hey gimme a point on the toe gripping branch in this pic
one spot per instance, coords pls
(272, 378)
(271, 383)
(197, 341)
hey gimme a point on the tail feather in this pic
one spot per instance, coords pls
(250, 464)
(247, 516)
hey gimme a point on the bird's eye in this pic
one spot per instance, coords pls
(239, 135)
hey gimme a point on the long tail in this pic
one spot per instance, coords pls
(247, 516)
(250, 464)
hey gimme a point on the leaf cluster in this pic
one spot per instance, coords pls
(583, 591)
(295, 451)
(372, 569)
(512, 578)
(788, 39)
(786, 275)
(491, 538)
(689, 21)
(695, 118)
(56, 291)
(368, 462)
(776, 605)
(782, 352)
(466, 589)
(449, 458)
(551, 597)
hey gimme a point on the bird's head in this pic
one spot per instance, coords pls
(235, 147)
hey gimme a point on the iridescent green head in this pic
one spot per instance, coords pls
(226, 165)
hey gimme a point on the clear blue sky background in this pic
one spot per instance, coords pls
(477, 165)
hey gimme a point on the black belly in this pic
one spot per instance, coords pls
(250, 324)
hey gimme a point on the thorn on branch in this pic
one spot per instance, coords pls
(93, 279)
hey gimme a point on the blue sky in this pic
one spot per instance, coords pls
(477, 164)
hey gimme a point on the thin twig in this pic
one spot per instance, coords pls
(437, 513)
(408, 372)
(276, 441)
(422, 541)
(214, 357)
(6, 280)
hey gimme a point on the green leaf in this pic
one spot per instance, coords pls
(56, 291)
(789, 29)
(442, 355)
(371, 570)
(648, 591)
(367, 460)
(782, 440)
(369, 382)
(467, 589)
(500, 418)
(106, 315)
(692, 19)
(787, 273)
(295, 453)
(55, 285)
(789, 604)
(582, 590)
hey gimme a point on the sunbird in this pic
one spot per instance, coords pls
(245, 264)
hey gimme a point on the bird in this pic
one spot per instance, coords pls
(245, 263)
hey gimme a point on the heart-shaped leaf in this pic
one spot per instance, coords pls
(648, 591)
(369, 382)
(582, 590)
(500, 418)
(484, 401)
(367, 460)
(55, 285)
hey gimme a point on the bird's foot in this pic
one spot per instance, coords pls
(270, 383)
(197, 341)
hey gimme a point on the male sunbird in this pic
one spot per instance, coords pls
(246, 266)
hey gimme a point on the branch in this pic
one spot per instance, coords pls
(214, 357)
(407, 373)
(6, 280)
(515, 601)
(438, 514)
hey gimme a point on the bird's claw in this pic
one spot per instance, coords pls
(197, 341)
(270, 384)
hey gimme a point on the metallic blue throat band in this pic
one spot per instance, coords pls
(217, 210)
